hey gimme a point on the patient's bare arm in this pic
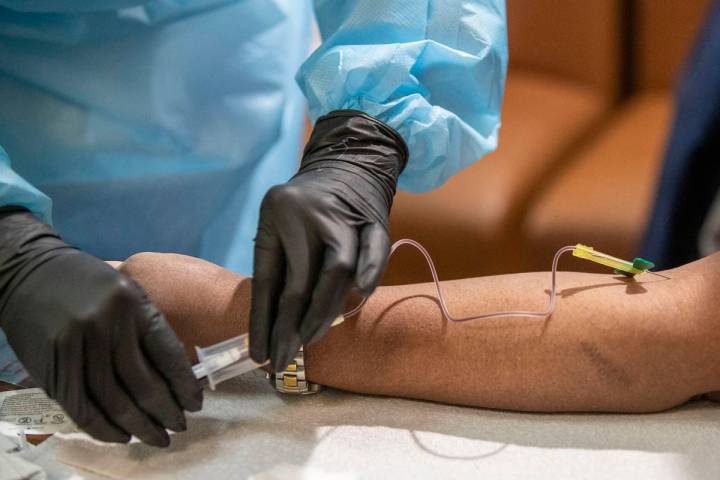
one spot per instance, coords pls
(612, 344)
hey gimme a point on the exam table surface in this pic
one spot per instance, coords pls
(246, 429)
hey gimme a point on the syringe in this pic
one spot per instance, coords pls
(228, 359)
(224, 360)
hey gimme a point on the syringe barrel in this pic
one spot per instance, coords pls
(224, 360)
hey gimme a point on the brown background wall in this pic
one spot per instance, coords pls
(574, 39)
(664, 31)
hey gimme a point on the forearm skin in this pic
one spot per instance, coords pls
(612, 344)
(608, 347)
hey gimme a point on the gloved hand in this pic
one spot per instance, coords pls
(90, 338)
(323, 233)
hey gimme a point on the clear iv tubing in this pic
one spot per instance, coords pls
(231, 357)
(441, 299)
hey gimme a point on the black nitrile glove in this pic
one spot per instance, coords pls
(89, 336)
(324, 233)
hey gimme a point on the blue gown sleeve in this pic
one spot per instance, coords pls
(16, 191)
(57, 6)
(433, 70)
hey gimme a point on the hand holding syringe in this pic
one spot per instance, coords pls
(228, 359)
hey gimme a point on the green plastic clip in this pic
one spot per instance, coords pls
(639, 265)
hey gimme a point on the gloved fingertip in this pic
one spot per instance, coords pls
(366, 290)
(259, 334)
(319, 331)
(154, 435)
(179, 425)
(277, 357)
(161, 440)
(190, 396)
(197, 403)
(258, 355)
(113, 438)
(286, 352)
(280, 363)
(366, 283)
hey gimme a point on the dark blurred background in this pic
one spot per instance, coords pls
(587, 114)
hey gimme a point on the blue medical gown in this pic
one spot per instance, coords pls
(434, 70)
(158, 126)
